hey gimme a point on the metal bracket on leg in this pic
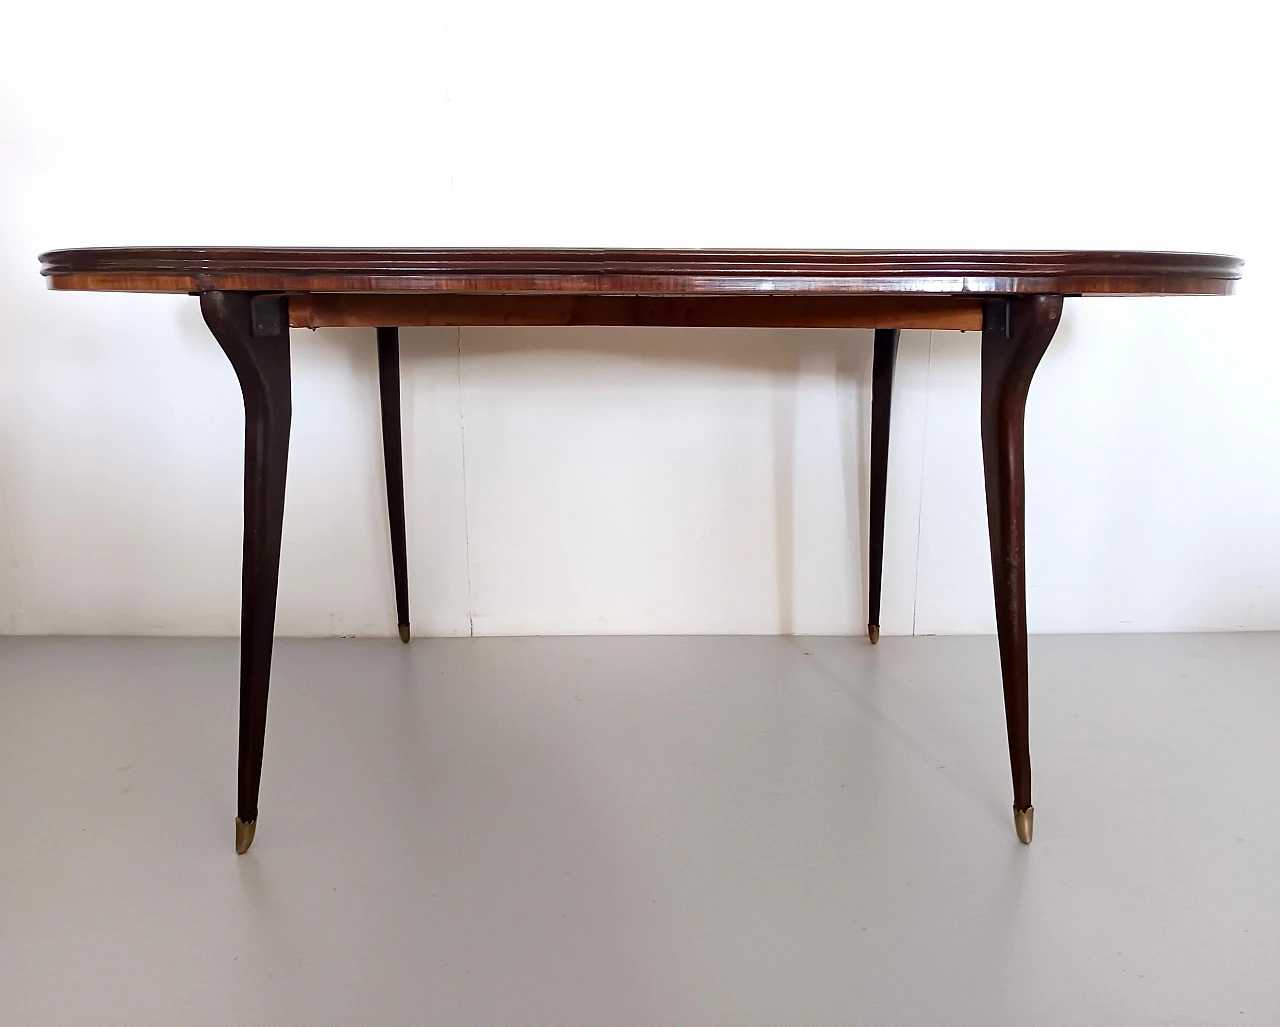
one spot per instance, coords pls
(268, 315)
(997, 318)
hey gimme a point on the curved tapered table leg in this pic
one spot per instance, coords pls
(253, 331)
(885, 355)
(1015, 334)
(393, 457)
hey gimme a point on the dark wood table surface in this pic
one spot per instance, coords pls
(251, 297)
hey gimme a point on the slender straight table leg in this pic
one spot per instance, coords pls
(393, 457)
(1015, 334)
(886, 354)
(254, 333)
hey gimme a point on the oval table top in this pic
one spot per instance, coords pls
(640, 272)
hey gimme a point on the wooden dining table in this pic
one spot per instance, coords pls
(251, 297)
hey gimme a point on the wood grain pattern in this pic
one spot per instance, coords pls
(1014, 338)
(261, 362)
(639, 272)
(365, 310)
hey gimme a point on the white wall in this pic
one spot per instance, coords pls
(620, 480)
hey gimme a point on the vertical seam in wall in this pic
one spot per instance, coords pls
(924, 456)
(466, 507)
(14, 620)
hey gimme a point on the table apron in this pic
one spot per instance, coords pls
(370, 310)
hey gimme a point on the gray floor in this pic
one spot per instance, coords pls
(642, 831)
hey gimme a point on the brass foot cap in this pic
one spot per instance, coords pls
(404, 632)
(1024, 820)
(873, 633)
(244, 835)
